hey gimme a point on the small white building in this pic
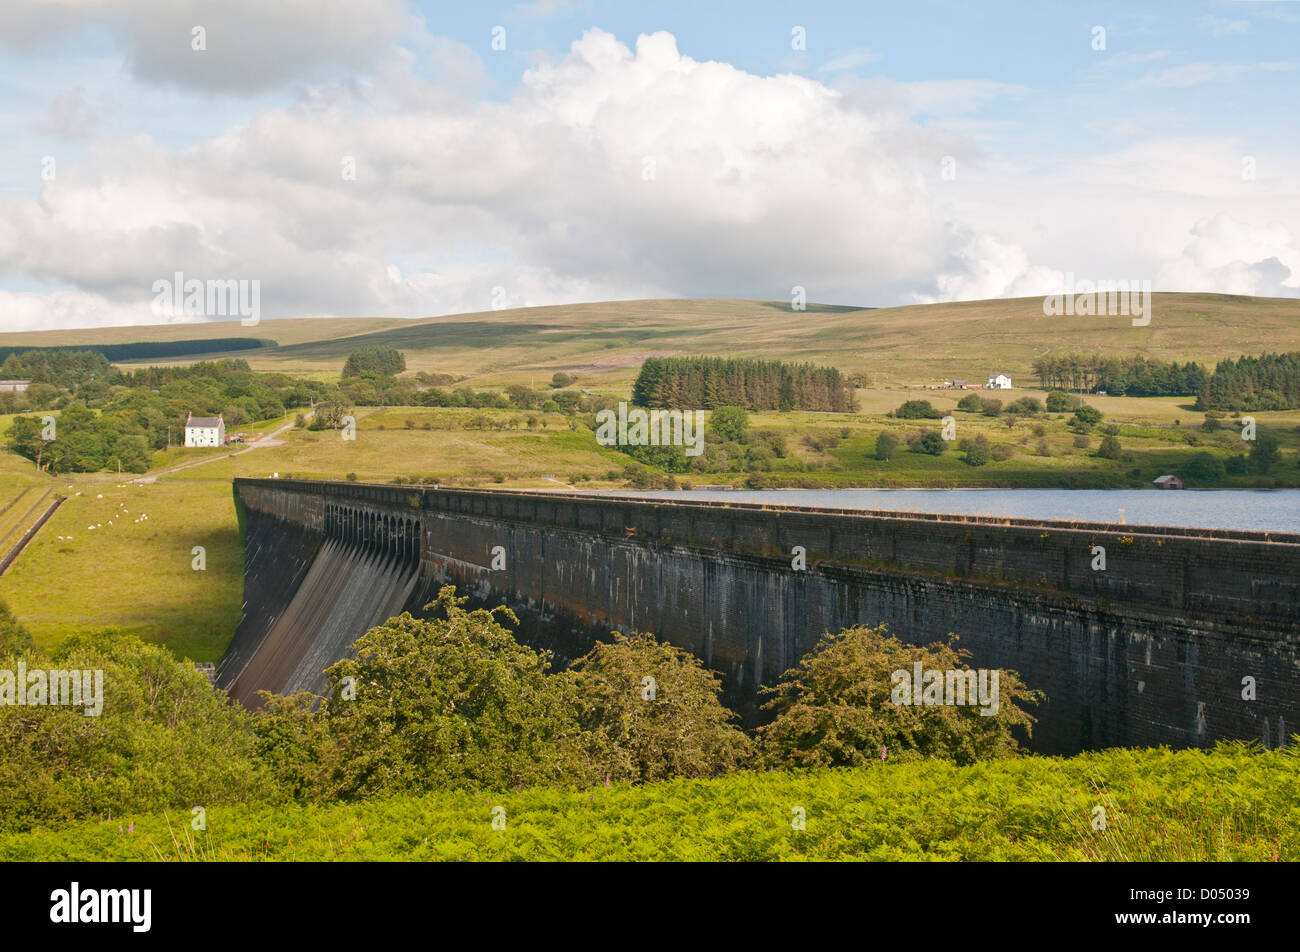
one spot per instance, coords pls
(205, 431)
(14, 386)
(999, 382)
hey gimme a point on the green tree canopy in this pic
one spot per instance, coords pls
(163, 740)
(917, 410)
(728, 423)
(443, 702)
(838, 709)
(374, 361)
(653, 712)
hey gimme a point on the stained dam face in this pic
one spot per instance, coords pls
(1155, 648)
(361, 571)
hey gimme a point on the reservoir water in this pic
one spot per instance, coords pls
(1273, 510)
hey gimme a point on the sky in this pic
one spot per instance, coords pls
(409, 159)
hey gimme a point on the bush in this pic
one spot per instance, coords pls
(163, 740)
(971, 403)
(559, 380)
(1082, 442)
(445, 702)
(990, 406)
(729, 423)
(1264, 453)
(837, 708)
(917, 410)
(1086, 415)
(329, 416)
(653, 712)
(1002, 452)
(977, 451)
(931, 443)
(1110, 448)
(1026, 405)
(886, 446)
(1058, 401)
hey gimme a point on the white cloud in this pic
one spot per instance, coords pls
(759, 184)
(251, 45)
(29, 311)
(1234, 257)
(850, 60)
(985, 266)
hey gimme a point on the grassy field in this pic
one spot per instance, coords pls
(1229, 804)
(605, 343)
(134, 573)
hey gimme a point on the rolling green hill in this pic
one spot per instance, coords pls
(606, 342)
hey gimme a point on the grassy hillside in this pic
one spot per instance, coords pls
(1229, 804)
(606, 342)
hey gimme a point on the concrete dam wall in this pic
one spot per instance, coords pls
(1184, 638)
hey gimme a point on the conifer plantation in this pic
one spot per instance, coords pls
(1270, 382)
(706, 383)
(1120, 376)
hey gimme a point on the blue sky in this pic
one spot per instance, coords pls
(910, 152)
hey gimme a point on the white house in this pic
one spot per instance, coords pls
(205, 431)
(14, 386)
(999, 382)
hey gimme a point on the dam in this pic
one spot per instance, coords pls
(1137, 635)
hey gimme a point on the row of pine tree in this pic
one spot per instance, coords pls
(1120, 376)
(1270, 382)
(706, 383)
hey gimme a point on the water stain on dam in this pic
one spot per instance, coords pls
(330, 593)
(345, 593)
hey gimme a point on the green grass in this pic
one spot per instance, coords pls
(1229, 804)
(134, 575)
